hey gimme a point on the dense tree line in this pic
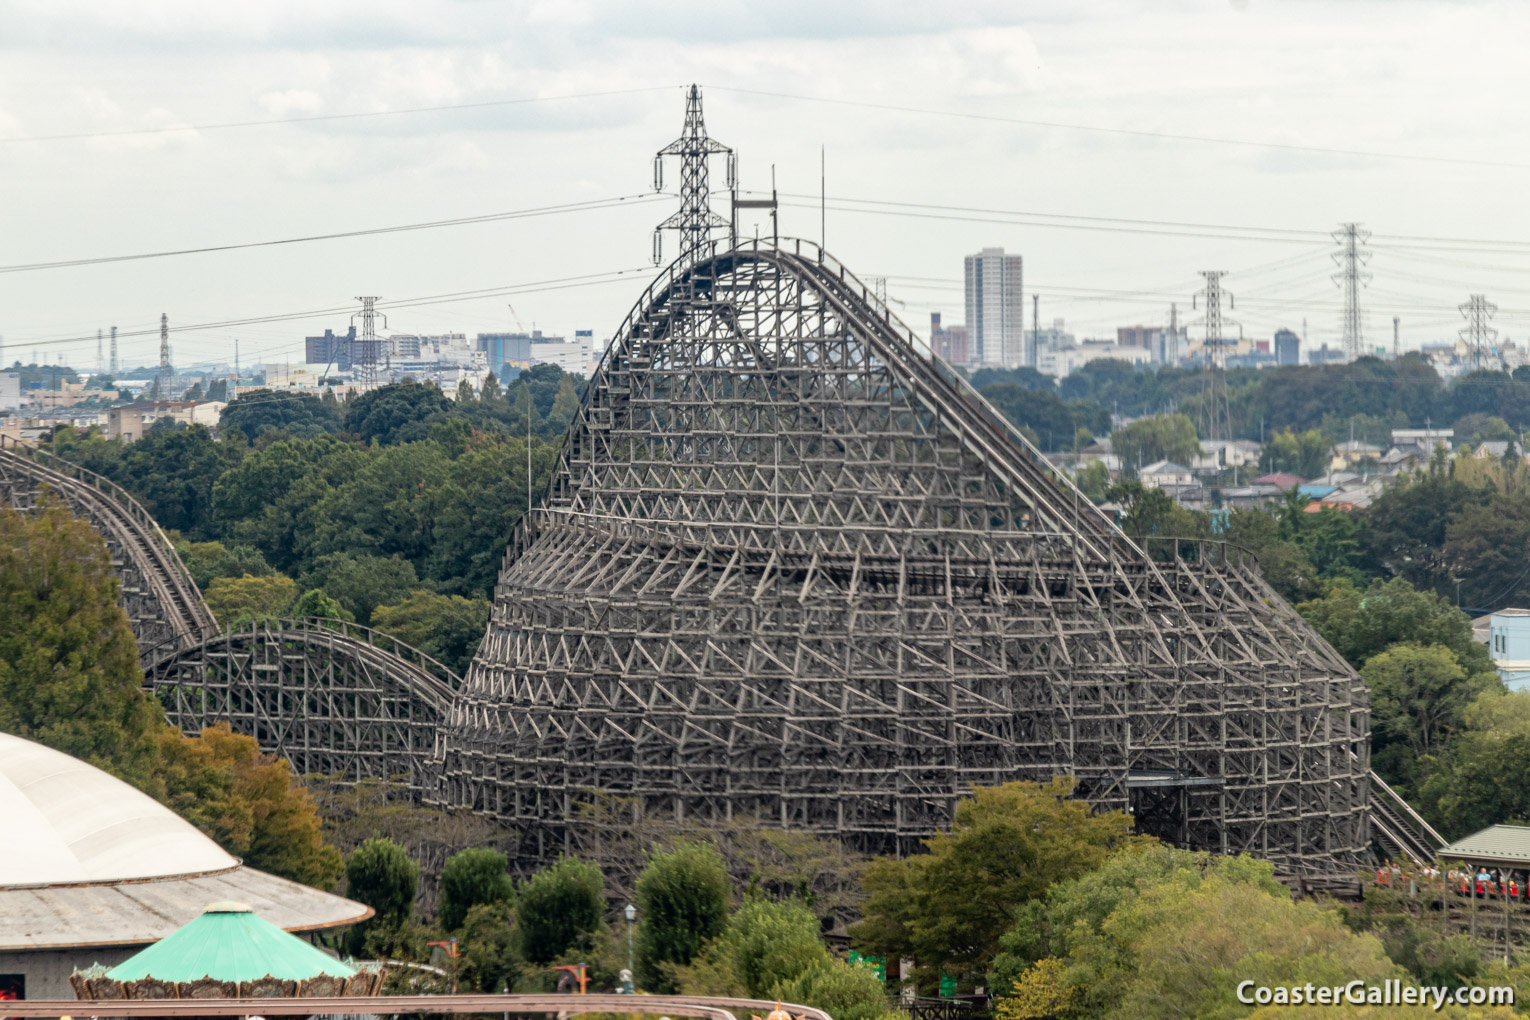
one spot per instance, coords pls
(1364, 399)
(391, 510)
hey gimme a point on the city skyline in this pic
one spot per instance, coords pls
(1281, 78)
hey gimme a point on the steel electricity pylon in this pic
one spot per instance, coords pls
(694, 220)
(1479, 336)
(367, 352)
(1352, 258)
(1216, 417)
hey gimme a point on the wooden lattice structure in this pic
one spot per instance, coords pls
(791, 566)
(330, 697)
(333, 698)
(162, 601)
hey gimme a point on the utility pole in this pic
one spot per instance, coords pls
(114, 351)
(164, 356)
(1396, 341)
(1216, 418)
(694, 219)
(1479, 336)
(366, 347)
(1351, 258)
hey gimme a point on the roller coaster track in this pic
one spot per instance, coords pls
(330, 697)
(162, 601)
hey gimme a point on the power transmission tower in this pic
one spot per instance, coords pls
(367, 347)
(163, 379)
(1351, 258)
(114, 350)
(1479, 336)
(695, 219)
(1216, 417)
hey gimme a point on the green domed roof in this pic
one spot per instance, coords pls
(229, 943)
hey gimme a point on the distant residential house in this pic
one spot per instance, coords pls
(1191, 497)
(1251, 497)
(1100, 450)
(1279, 479)
(1402, 458)
(1217, 455)
(129, 422)
(1509, 644)
(1164, 473)
(1352, 452)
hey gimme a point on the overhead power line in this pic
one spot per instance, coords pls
(317, 118)
(1132, 132)
(538, 286)
(515, 214)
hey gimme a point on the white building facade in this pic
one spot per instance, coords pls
(996, 310)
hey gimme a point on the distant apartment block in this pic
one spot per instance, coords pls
(996, 310)
(330, 349)
(523, 350)
(949, 342)
(1288, 348)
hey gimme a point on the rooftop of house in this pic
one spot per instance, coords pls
(1279, 479)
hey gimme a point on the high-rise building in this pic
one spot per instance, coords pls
(330, 348)
(949, 342)
(1288, 348)
(996, 310)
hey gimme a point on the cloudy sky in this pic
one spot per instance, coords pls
(1243, 131)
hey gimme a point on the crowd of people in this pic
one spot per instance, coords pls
(1462, 880)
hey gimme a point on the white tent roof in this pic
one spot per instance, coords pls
(69, 822)
(85, 859)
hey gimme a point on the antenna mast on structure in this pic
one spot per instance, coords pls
(1479, 336)
(164, 356)
(1216, 417)
(367, 347)
(695, 219)
(1351, 258)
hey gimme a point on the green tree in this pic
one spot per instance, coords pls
(361, 583)
(1304, 454)
(844, 991)
(1485, 547)
(1405, 528)
(1163, 933)
(208, 560)
(774, 943)
(380, 874)
(559, 908)
(489, 948)
(682, 898)
(473, 876)
(447, 627)
(69, 675)
(236, 600)
(1148, 440)
(948, 908)
(297, 414)
(1360, 623)
(1093, 479)
(1419, 695)
(1153, 512)
(398, 413)
(315, 604)
(566, 404)
(258, 811)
